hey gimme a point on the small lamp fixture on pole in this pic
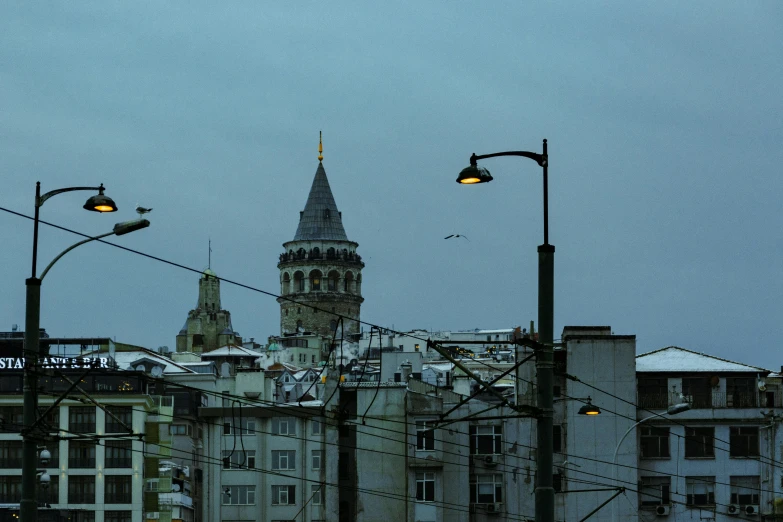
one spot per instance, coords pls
(589, 409)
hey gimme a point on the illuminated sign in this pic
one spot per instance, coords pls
(17, 363)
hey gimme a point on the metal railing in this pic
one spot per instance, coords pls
(710, 399)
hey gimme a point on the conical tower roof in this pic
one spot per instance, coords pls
(320, 218)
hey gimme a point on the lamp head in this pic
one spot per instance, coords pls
(126, 227)
(678, 408)
(100, 202)
(474, 174)
(589, 409)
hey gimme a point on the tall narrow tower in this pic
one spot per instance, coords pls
(320, 267)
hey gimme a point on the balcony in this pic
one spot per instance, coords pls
(710, 400)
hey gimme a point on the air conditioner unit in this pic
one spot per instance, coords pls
(493, 509)
(734, 509)
(662, 511)
(752, 510)
(490, 460)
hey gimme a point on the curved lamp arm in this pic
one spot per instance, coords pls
(39, 200)
(119, 229)
(61, 254)
(541, 159)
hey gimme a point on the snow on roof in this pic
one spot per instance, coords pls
(232, 351)
(439, 367)
(300, 374)
(124, 360)
(676, 359)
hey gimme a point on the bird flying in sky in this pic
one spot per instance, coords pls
(456, 235)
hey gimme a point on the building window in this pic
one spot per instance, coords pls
(81, 454)
(14, 418)
(700, 491)
(744, 441)
(117, 516)
(654, 442)
(315, 281)
(744, 490)
(124, 414)
(283, 495)
(654, 491)
(232, 426)
(10, 489)
(699, 443)
(485, 440)
(425, 435)
(119, 454)
(317, 494)
(239, 495)
(486, 489)
(181, 429)
(239, 459)
(425, 487)
(557, 482)
(283, 459)
(653, 392)
(741, 392)
(118, 489)
(557, 438)
(698, 391)
(283, 426)
(11, 454)
(81, 419)
(81, 489)
(316, 459)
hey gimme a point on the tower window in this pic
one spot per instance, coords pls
(315, 281)
(326, 213)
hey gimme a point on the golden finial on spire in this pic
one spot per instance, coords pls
(320, 147)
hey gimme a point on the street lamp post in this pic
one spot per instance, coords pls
(545, 493)
(28, 508)
(671, 410)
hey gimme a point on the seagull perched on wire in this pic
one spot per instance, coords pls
(456, 235)
(141, 210)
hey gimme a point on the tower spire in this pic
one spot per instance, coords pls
(320, 147)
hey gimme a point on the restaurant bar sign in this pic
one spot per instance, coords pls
(62, 363)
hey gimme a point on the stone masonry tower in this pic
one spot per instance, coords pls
(208, 326)
(320, 267)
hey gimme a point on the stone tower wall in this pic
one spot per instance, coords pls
(323, 274)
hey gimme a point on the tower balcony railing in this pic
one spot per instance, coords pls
(287, 257)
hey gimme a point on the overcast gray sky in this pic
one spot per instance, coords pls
(663, 121)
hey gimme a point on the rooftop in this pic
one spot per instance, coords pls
(676, 359)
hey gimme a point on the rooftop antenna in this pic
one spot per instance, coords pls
(209, 261)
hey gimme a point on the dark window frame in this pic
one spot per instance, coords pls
(700, 442)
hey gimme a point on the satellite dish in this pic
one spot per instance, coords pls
(175, 487)
(157, 371)
(762, 385)
(714, 381)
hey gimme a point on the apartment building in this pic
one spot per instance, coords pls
(104, 427)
